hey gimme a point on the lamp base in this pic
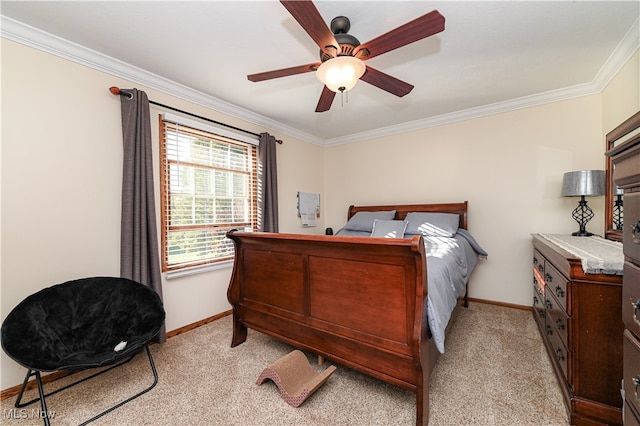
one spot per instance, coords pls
(582, 234)
(582, 214)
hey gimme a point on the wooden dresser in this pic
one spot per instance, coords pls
(626, 174)
(579, 317)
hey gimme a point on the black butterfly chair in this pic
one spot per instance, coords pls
(86, 323)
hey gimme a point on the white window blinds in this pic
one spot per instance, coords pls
(208, 188)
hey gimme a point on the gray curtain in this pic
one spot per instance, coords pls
(139, 252)
(268, 177)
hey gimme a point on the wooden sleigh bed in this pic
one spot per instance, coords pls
(357, 301)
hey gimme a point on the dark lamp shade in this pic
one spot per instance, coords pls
(583, 182)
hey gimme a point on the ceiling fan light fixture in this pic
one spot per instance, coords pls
(341, 74)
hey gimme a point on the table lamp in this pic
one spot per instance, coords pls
(583, 183)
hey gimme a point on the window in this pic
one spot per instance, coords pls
(209, 186)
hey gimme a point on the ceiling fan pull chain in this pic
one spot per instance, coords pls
(342, 97)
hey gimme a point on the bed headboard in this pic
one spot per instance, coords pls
(402, 210)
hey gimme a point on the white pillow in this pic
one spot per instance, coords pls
(389, 228)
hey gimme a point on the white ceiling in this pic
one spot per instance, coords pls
(492, 56)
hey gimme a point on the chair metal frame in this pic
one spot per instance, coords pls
(41, 395)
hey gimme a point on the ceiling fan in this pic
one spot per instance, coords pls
(337, 48)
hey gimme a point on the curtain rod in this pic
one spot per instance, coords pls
(116, 91)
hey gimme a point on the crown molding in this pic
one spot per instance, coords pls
(38, 39)
(49, 43)
(471, 113)
(627, 47)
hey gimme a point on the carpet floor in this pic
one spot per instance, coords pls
(495, 372)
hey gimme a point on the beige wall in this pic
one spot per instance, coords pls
(61, 176)
(621, 97)
(61, 184)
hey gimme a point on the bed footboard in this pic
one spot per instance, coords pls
(356, 301)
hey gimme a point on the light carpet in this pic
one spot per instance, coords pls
(495, 372)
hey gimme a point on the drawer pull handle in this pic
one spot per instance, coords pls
(636, 307)
(635, 229)
(540, 268)
(549, 330)
(549, 305)
(559, 291)
(560, 355)
(560, 324)
(548, 278)
(636, 382)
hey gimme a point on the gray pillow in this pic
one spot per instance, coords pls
(432, 224)
(389, 228)
(363, 221)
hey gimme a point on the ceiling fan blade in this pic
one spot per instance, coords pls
(307, 15)
(386, 82)
(268, 75)
(422, 27)
(326, 99)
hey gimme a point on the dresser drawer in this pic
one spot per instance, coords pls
(538, 262)
(631, 369)
(538, 281)
(558, 321)
(558, 350)
(631, 228)
(556, 284)
(631, 298)
(538, 305)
